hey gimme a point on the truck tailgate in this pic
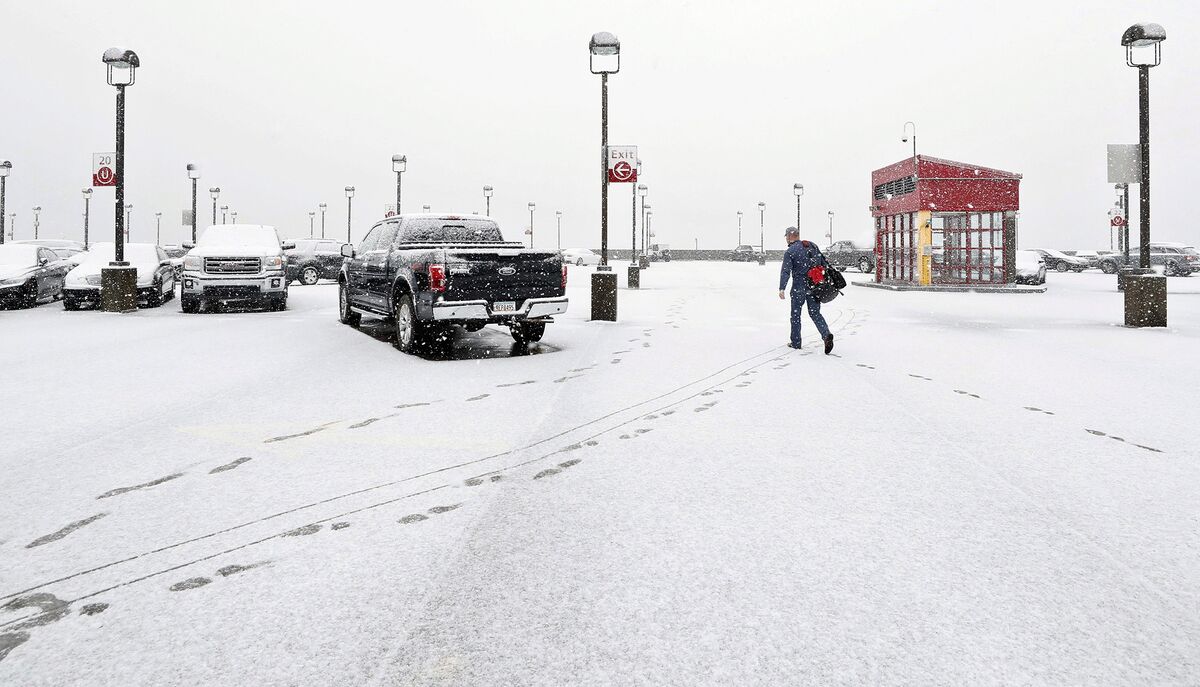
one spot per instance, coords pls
(501, 274)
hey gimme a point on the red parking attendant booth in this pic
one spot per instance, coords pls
(944, 222)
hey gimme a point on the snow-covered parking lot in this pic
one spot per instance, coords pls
(974, 489)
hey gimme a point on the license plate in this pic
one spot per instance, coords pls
(504, 306)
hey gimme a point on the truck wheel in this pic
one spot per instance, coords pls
(1108, 267)
(345, 314)
(309, 276)
(1062, 266)
(527, 332)
(864, 266)
(409, 331)
(189, 304)
(1171, 269)
(278, 303)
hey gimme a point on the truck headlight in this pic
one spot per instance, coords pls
(193, 263)
(275, 262)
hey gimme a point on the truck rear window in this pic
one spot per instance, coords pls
(450, 231)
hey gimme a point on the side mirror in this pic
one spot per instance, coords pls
(347, 250)
(288, 245)
(44, 261)
(164, 263)
(188, 245)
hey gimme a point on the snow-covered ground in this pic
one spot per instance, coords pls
(975, 489)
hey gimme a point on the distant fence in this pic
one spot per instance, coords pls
(690, 254)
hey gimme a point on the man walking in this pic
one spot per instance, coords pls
(801, 260)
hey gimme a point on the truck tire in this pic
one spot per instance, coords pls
(865, 266)
(309, 275)
(345, 314)
(189, 304)
(527, 332)
(278, 303)
(409, 330)
(1062, 266)
(1108, 267)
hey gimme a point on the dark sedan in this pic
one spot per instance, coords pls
(314, 259)
(30, 274)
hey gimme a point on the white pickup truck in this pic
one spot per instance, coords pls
(236, 262)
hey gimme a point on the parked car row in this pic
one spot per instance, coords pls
(1175, 259)
(32, 274)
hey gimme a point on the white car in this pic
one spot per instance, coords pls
(580, 256)
(1031, 267)
(155, 277)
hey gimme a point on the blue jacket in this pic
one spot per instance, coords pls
(796, 264)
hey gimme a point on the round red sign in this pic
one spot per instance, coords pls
(622, 171)
(104, 175)
(1118, 221)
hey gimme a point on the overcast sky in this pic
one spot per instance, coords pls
(283, 104)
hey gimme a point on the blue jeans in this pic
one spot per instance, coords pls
(799, 298)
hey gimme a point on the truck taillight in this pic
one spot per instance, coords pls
(564, 279)
(437, 278)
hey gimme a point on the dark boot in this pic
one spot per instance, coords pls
(828, 344)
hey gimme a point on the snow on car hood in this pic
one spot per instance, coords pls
(233, 250)
(13, 271)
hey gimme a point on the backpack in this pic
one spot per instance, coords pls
(832, 282)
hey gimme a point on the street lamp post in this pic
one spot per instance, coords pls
(399, 163)
(642, 191)
(830, 235)
(194, 174)
(5, 168)
(224, 210)
(762, 255)
(349, 202)
(604, 59)
(233, 216)
(644, 261)
(214, 193)
(532, 207)
(904, 138)
(1145, 294)
(487, 199)
(425, 208)
(739, 228)
(312, 216)
(158, 228)
(798, 189)
(128, 220)
(87, 214)
(12, 224)
(37, 211)
(118, 282)
(322, 207)
(558, 216)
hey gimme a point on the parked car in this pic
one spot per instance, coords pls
(30, 274)
(314, 259)
(428, 272)
(580, 256)
(744, 253)
(235, 262)
(62, 247)
(1175, 259)
(659, 251)
(155, 276)
(1031, 267)
(176, 253)
(1092, 257)
(1060, 261)
(846, 254)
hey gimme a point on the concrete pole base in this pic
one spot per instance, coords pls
(604, 296)
(1145, 300)
(1125, 272)
(118, 288)
(635, 277)
(643, 262)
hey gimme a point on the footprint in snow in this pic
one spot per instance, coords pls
(480, 397)
(919, 377)
(869, 367)
(436, 510)
(303, 531)
(190, 583)
(529, 381)
(547, 473)
(569, 463)
(339, 525)
(1032, 409)
(410, 519)
(966, 393)
(229, 466)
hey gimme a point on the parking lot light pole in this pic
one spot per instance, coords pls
(1145, 294)
(399, 163)
(762, 249)
(349, 202)
(487, 200)
(830, 234)
(644, 260)
(194, 174)
(128, 219)
(87, 214)
(37, 211)
(214, 193)
(158, 228)
(118, 281)
(312, 218)
(224, 211)
(739, 228)
(798, 189)
(558, 216)
(5, 168)
(604, 59)
(233, 216)
(904, 138)
(532, 207)
(322, 207)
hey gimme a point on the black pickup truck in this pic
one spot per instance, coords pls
(428, 272)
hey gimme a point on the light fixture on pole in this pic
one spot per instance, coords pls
(322, 207)
(762, 255)
(532, 207)
(399, 163)
(5, 168)
(233, 216)
(214, 193)
(118, 282)
(904, 138)
(425, 208)
(739, 228)
(798, 189)
(87, 214)
(37, 211)
(604, 59)
(558, 215)
(12, 224)
(158, 228)
(194, 174)
(487, 199)
(224, 212)
(1145, 294)
(312, 216)
(128, 220)
(349, 201)
(830, 234)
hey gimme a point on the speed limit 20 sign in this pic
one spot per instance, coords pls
(622, 164)
(103, 166)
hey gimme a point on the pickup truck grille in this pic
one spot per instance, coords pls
(232, 265)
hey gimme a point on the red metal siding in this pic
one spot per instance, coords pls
(947, 186)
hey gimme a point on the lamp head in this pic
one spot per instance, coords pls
(798, 189)
(487, 191)
(761, 205)
(87, 192)
(122, 66)
(193, 171)
(399, 162)
(1142, 36)
(5, 168)
(605, 52)
(349, 191)
(558, 213)
(322, 206)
